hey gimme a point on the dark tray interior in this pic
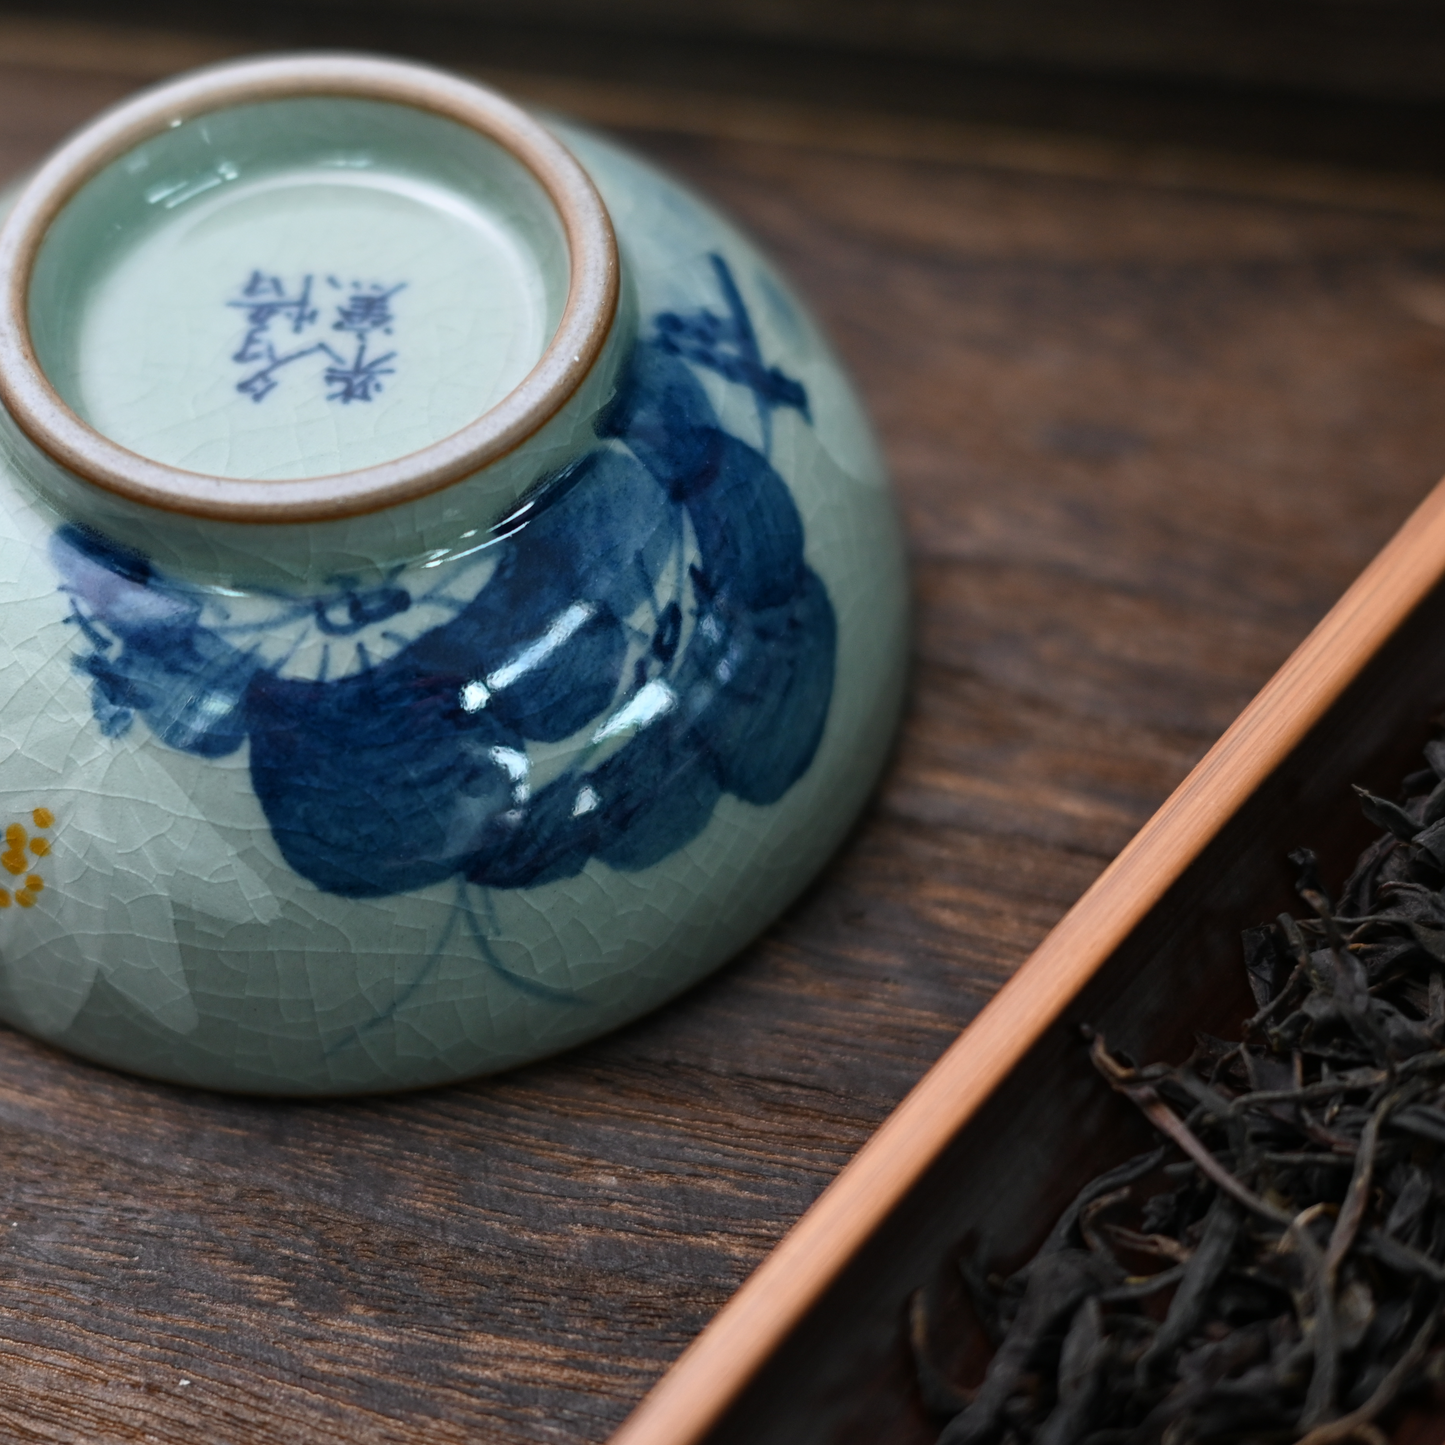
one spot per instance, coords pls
(844, 1375)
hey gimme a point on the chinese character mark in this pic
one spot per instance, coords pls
(262, 383)
(269, 308)
(359, 380)
(366, 310)
(264, 300)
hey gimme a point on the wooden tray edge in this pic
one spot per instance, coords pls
(693, 1394)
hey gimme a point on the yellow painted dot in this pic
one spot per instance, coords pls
(43, 817)
(39, 846)
(4, 898)
(14, 862)
(35, 883)
(24, 899)
(15, 835)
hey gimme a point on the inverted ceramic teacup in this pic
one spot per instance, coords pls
(450, 599)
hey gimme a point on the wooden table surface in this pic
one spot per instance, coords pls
(1147, 415)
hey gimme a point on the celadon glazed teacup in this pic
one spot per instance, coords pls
(450, 599)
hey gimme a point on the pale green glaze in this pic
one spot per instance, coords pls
(123, 301)
(172, 937)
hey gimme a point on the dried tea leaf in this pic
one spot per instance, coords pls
(1299, 1235)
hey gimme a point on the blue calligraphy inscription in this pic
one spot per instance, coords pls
(272, 313)
(650, 603)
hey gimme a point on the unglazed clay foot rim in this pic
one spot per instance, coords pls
(586, 319)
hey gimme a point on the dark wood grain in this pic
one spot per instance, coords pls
(1143, 436)
(1349, 81)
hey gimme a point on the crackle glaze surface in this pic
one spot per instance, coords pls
(439, 815)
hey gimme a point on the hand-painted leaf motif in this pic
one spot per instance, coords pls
(653, 607)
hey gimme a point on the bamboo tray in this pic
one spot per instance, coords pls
(1012, 1121)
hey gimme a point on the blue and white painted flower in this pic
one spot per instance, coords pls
(642, 636)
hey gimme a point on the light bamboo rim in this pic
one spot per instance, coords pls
(587, 317)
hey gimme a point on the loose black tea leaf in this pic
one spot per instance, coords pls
(1276, 1271)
